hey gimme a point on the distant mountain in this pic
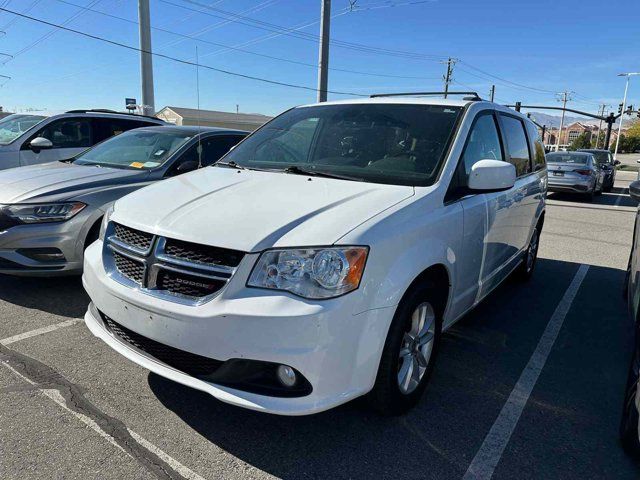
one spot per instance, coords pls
(554, 120)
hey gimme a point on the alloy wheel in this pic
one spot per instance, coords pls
(416, 348)
(532, 252)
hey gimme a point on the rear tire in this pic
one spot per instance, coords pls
(409, 353)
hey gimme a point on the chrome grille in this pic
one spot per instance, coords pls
(133, 237)
(132, 269)
(175, 270)
(202, 253)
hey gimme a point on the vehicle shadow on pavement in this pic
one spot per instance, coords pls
(63, 296)
(480, 360)
(617, 197)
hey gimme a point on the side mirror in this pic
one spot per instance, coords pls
(634, 190)
(492, 176)
(40, 143)
(617, 162)
(188, 166)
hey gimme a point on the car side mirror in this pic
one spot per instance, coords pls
(40, 143)
(634, 190)
(617, 162)
(492, 176)
(188, 166)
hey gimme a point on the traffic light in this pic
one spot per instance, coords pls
(629, 109)
(518, 106)
(620, 109)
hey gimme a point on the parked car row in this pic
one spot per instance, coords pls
(318, 261)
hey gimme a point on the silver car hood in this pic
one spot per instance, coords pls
(60, 181)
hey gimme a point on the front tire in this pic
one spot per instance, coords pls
(409, 352)
(525, 269)
(630, 418)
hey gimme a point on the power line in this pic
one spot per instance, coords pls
(168, 57)
(302, 35)
(249, 52)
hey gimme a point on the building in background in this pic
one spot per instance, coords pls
(212, 118)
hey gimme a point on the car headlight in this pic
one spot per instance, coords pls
(314, 273)
(43, 212)
(105, 222)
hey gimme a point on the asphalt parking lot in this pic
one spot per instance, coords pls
(70, 407)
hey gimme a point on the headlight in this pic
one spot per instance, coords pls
(44, 212)
(312, 272)
(105, 222)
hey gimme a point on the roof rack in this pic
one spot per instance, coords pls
(471, 95)
(106, 110)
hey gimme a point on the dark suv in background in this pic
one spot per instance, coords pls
(605, 161)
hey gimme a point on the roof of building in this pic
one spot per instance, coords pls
(194, 114)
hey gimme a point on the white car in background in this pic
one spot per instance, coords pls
(323, 257)
(32, 139)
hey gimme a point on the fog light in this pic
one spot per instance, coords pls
(286, 375)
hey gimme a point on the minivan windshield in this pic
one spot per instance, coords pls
(567, 158)
(400, 144)
(12, 126)
(135, 149)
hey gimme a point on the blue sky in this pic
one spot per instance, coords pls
(577, 45)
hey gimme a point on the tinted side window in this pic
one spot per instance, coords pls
(108, 127)
(517, 145)
(68, 133)
(538, 148)
(213, 148)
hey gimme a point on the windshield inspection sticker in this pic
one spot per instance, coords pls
(159, 152)
(137, 165)
(150, 164)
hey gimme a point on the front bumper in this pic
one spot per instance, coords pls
(336, 350)
(19, 246)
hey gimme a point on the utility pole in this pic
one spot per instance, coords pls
(492, 92)
(564, 99)
(602, 107)
(146, 64)
(323, 61)
(447, 77)
(624, 107)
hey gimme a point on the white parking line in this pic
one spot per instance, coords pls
(39, 331)
(58, 399)
(490, 452)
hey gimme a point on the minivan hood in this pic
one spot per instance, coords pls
(252, 210)
(58, 181)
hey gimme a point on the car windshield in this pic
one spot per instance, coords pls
(567, 158)
(401, 144)
(135, 149)
(13, 126)
(601, 157)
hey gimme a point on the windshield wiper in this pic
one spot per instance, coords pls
(315, 173)
(231, 164)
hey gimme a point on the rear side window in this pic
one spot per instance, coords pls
(538, 148)
(517, 145)
(104, 128)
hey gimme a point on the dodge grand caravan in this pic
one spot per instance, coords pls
(323, 257)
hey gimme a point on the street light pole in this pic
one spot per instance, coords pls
(323, 60)
(146, 64)
(624, 106)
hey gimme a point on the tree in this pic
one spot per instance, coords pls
(581, 141)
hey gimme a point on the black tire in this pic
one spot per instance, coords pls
(386, 397)
(589, 196)
(630, 418)
(528, 264)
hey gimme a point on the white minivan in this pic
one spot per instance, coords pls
(323, 257)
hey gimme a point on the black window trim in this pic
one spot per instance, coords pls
(526, 136)
(452, 195)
